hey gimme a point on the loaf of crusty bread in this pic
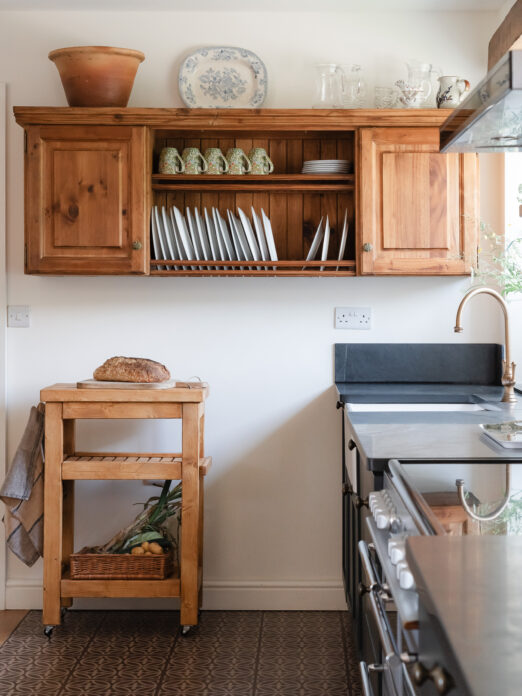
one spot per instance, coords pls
(120, 369)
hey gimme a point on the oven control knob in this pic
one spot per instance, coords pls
(406, 579)
(394, 540)
(373, 499)
(401, 565)
(397, 552)
(382, 519)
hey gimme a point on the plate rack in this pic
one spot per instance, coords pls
(294, 202)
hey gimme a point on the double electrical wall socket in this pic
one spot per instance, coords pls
(353, 317)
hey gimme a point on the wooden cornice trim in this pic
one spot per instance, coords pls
(232, 119)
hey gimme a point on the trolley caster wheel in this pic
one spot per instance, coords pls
(185, 630)
(48, 631)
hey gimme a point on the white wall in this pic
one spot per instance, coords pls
(265, 345)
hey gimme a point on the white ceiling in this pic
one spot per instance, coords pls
(254, 5)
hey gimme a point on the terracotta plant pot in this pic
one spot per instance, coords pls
(97, 75)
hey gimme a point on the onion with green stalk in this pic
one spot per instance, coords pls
(150, 524)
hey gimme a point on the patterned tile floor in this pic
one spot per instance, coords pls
(231, 653)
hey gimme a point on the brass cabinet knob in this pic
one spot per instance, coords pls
(347, 489)
(137, 245)
(367, 246)
(351, 445)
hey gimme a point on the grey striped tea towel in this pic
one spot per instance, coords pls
(22, 492)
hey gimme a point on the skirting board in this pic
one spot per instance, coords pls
(311, 595)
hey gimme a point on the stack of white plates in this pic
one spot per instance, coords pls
(207, 237)
(326, 166)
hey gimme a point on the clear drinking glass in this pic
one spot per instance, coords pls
(329, 86)
(385, 97)
(354, 86)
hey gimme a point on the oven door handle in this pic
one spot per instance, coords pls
(386, 642)
(368, 566)
(387, 645)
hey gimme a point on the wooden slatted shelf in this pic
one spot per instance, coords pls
(120, 466)
(253, 268)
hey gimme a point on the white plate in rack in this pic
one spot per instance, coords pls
(155, 237)
(162, 235)
(261, 239)
(241, 236)
(223, 230)
(194, 238)
(235, 239)
(218, 77)
(223, 254)
(269, 236)
(184, 235)
(203, 239)
(177, 237)
(344, 237)
(251, 238)
(212, 238)
(318, 238)
(326, 242)
(171, 237)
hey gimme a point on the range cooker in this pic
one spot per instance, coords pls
(423, 498)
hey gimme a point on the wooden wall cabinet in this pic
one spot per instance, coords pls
(418, 209)
(91, 181)
(85, 200)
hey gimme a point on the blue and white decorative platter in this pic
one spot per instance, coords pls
(222, 77)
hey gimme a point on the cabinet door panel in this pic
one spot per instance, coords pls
(88, 186)
(85, 200)
(418, 209)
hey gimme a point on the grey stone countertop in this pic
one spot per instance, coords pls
(471, 589)
(429, 435)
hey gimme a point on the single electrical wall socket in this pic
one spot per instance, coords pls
(19, 316)
(353, 317)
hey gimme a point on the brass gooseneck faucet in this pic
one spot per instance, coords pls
(508, 376)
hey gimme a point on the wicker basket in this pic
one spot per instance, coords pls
(121, 566)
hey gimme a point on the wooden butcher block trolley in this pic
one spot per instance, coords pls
(64, 404)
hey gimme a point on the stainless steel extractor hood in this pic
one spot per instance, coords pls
(490, 119)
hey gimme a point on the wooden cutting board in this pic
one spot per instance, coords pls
(98, 384)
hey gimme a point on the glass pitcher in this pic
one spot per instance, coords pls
(353, 86)
(329, 86)
(419, 79)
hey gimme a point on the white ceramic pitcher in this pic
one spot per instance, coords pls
(451, 91)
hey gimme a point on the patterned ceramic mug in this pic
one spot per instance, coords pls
(238, 162)
(194, 161)
(261, 162)
(216, 161)
(170, 162)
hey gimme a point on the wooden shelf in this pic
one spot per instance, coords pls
(249, 182)
(170, 587)
(255, 268)
(126, 467)
(235, 120)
